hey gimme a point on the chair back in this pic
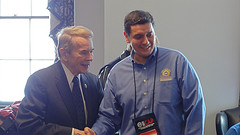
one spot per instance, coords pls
(227, 118)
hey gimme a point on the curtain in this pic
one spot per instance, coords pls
(62, 15)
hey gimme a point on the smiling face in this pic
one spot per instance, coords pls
(79, 59)
(143, 39)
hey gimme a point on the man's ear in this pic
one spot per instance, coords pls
(63, 53)
(127, 38)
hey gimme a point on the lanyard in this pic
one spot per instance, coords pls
(135, 86)
(84, 105)
(84, 102)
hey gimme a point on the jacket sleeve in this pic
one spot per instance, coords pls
(193, 100)
(32, 111)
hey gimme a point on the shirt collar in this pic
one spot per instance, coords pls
(69, 75)
(154, 53)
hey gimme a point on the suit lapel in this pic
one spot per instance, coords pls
(84, 83)
(65, 92)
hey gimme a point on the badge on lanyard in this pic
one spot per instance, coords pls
(146, 125)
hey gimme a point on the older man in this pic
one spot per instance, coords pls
(63, 98)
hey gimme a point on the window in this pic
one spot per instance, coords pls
(24, 46)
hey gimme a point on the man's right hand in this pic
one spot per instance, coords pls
(89, 131)
(78, 132)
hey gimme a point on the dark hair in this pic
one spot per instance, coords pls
(137, 17)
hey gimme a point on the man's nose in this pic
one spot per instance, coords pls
(145, 40)
(90, 56)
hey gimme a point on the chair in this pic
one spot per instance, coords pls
(227, 118)
(7, 119)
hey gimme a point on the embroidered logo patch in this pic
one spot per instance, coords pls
(166, 75)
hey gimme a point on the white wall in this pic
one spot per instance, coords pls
(207, 32)
(90, 13)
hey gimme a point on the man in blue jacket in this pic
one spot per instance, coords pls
(155, 90)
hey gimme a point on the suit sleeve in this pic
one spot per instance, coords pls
(32, 111)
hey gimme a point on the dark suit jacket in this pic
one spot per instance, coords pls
(104, 71)
(48, 109)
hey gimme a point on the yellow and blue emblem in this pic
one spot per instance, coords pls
(166, 75)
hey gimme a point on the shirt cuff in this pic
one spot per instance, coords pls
(72, 131)
(96, 130)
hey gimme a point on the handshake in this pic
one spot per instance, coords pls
(87, 131)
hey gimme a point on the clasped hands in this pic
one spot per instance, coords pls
(87, 131)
